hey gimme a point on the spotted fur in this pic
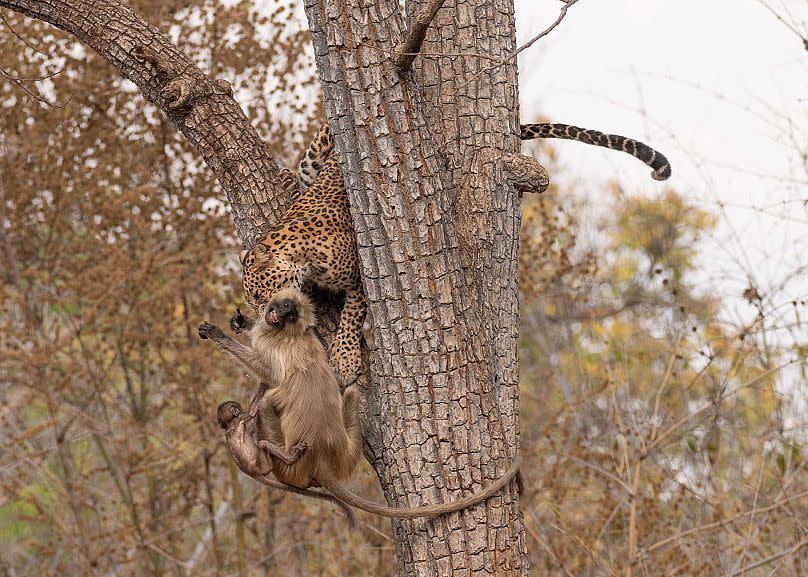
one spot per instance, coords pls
(660, 165)
(315, 239)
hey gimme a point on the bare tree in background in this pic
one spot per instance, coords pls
(437, 228)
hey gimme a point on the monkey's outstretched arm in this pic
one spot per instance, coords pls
(245, 355)
(278, 452)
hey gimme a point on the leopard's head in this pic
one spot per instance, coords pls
(263, 274)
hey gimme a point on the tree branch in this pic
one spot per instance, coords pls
(525, 172)
(202, 108)
(409, 48)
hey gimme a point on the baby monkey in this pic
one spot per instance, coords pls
(247, 454)
(304, 408)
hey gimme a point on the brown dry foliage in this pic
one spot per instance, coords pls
(653, 432)
(114, 248)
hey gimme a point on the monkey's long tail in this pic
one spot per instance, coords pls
(349, 513)
(653, 158)
(327, 480)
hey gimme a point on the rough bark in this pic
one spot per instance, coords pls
(202, 108)
(437, 229)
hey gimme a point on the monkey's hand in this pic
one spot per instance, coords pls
(241, 322)
(209, 331)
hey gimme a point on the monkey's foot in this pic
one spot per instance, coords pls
(299, 449)
(278, 452)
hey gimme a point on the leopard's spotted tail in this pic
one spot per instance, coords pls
(660, 165)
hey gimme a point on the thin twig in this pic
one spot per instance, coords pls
(411, 45)
(545, 32)
(20, 38)
(600, 470)
(765, 561)
(667, 432)
(782, 20)
(561, 15)
(20, 83)
(720, 523)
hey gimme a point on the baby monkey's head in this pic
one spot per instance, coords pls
(289, 311)
(227, 412)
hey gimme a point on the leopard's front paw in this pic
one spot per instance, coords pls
(238, 322)
(210, 331)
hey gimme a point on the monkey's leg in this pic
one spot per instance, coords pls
(259, 394)
(346, 355)
(267, 428)
(278, 452)
(241, 322)
(244, 354)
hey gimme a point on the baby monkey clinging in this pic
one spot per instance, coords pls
(304, 407)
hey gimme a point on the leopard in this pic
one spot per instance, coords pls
(315, 241)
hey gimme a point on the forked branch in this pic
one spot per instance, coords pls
(409, 49)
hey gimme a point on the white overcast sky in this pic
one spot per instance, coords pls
(719, 86)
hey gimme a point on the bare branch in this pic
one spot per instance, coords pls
(561, 15)
(785, 23)
(20, 38)
(772, 558)
(411, 45)
(202, 108)
(19, 82)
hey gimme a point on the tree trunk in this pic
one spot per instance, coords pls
(437, 230)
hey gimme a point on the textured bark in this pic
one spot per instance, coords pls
(207, 114)
(437, 229)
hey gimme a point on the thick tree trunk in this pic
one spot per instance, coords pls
(437, 229)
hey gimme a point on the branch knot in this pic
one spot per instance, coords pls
(525, 173)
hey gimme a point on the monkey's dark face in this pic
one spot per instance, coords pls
(282, 312)
(227, 413)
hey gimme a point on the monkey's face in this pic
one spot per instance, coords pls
(227, 412)
(289, 312)
(282, 312)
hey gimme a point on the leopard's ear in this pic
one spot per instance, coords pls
(262, 252)
(242, 255)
